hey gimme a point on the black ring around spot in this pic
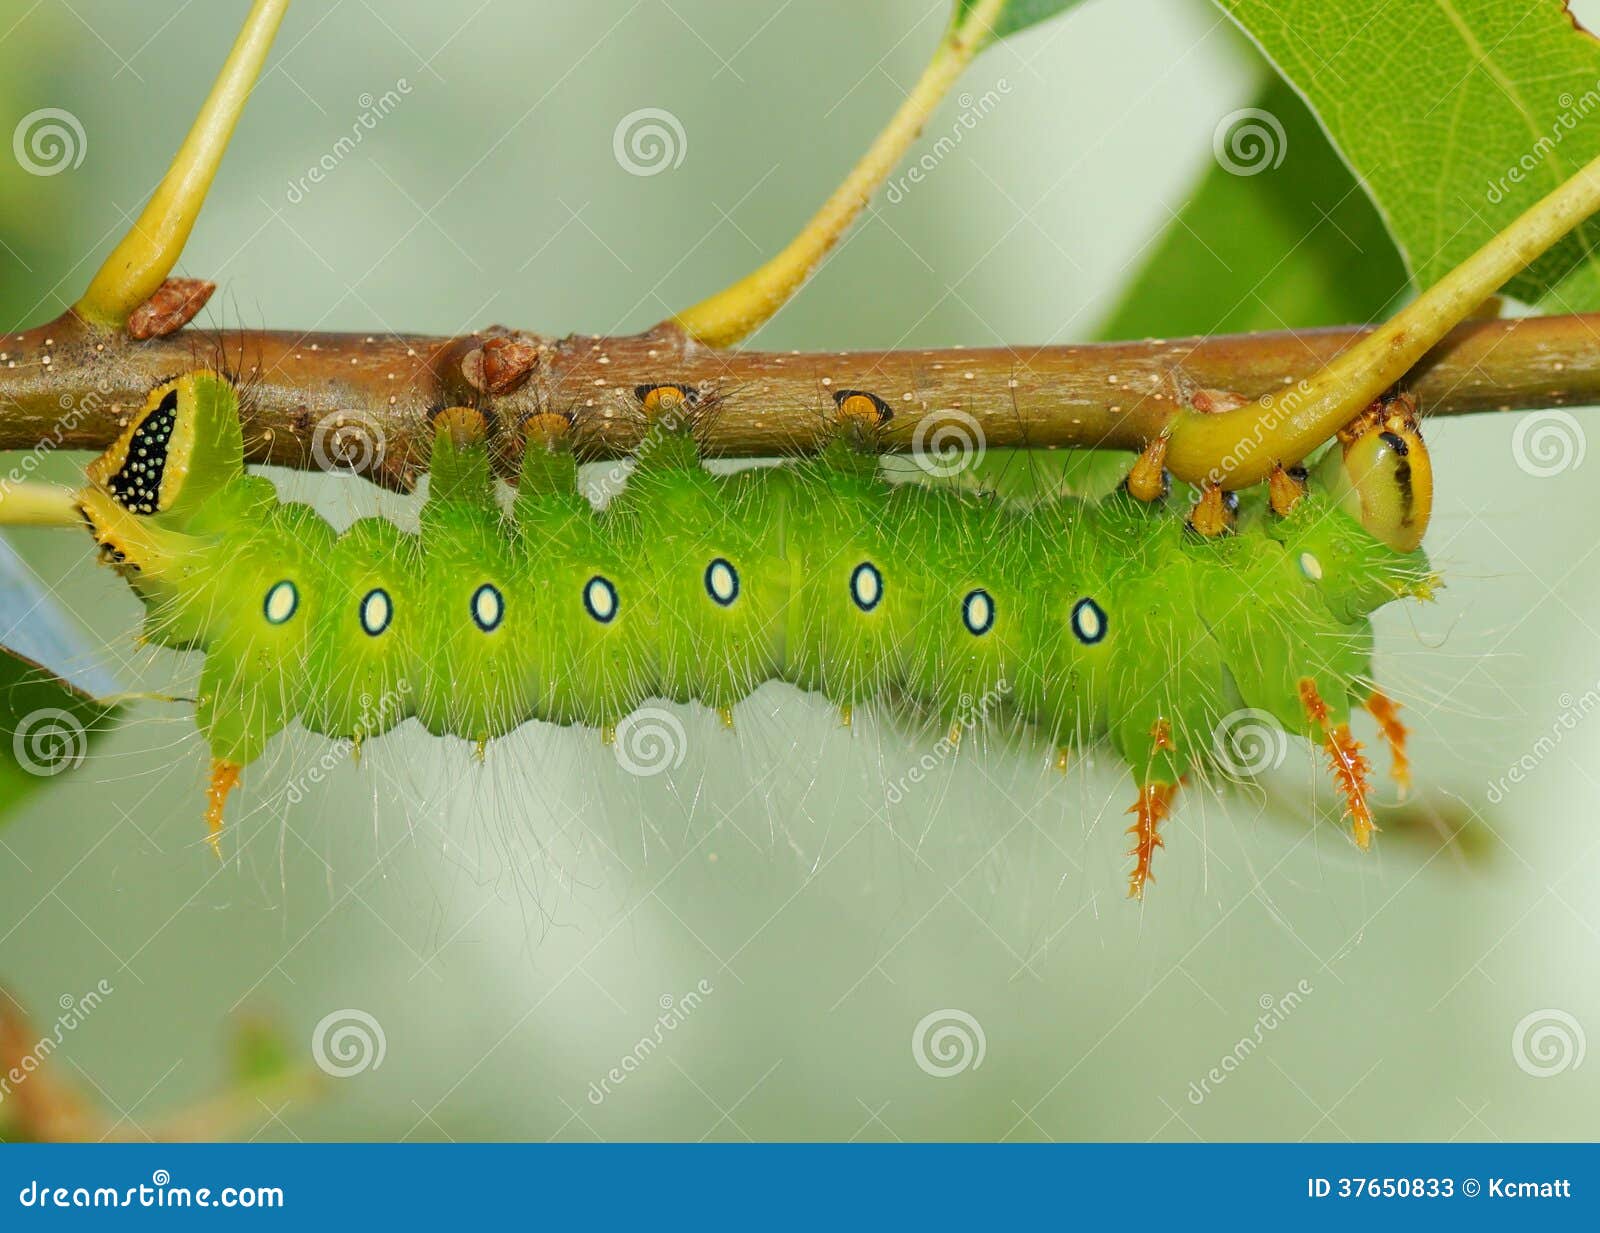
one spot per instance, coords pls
(1088, 606)
(588, 603)
(388, 612)
(983, 622)
(294, 602)
(500, 607)
(733, 574)
(869, 570)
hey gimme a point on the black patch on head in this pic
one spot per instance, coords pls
(1402, 473)
(137, 486)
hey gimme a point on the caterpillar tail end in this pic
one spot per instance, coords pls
(1386, 711)
(1351, 769)
(224, 779)
(1150, 810)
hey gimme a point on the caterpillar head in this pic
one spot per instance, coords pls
(177, 451)
(1354, 571)
(1384, 478)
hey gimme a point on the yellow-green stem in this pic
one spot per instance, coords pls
(738, 311)
(146, 255)
(38, 505)
(1238, 448)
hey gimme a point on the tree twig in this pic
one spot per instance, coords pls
(367, 400)
(736, 312)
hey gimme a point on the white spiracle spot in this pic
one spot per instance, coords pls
(947, 442)
(342, 441)
(1548, 1042)
(649, 141)
(1548, 443)
(1249, 742)
(49, 141)
(947, 1042)
(348, 1042)
(1249, 141)
(650, 741)
(49, 741)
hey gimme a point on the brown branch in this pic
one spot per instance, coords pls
(69, 386)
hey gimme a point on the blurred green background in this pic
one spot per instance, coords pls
(514, 929)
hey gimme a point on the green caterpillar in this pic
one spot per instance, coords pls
(1085, 620)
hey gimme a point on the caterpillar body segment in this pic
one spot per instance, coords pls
(1111, 620)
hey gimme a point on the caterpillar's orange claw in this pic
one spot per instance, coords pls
(224, 779)
(1387, 712)
(1150, 810)
(1148, 480)
(1350, 766)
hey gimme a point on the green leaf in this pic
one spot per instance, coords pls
(1276, 236)
(1456, 115)
(1293, 245)
(1014, 15)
